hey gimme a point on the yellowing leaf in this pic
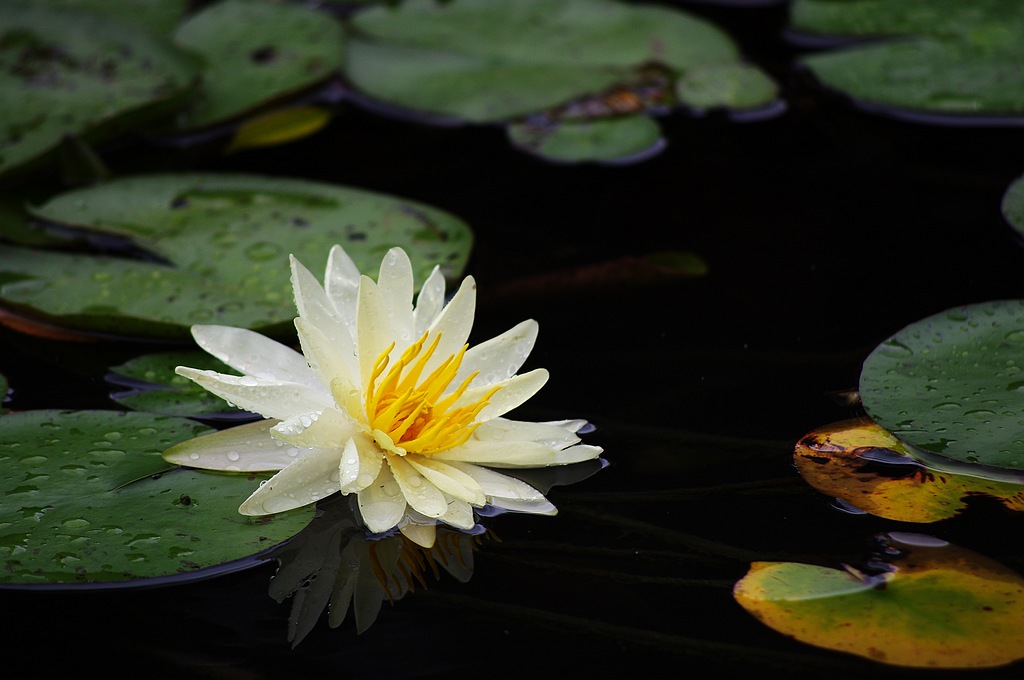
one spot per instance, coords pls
(279, 127)
(937, 606)
(864, 465)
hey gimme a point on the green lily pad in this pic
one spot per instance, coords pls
(952, 384)
(156, 16)
(154, 387)
(226, 238)
(926, 56)
(88, 499)
(77, 73)
(499, 61)
(256, 52)
(937, 606)
(1013, 205)
(605, 139)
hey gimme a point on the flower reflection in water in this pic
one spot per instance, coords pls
(334, 564)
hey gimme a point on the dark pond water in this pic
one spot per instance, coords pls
(824, 229)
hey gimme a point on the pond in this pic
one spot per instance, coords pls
(823, 229)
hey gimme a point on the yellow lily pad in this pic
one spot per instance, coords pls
(937, 606)
(859, 462)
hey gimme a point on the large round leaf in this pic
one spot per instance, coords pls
(951, 384)
(939, 606)
(226, 239)
(77, 73)
(493, 60)
(87, 498)
(256, 51)
(929, 56)
(1013, 205)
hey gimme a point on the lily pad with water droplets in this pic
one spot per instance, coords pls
(500, 61)
(861, 464)
(77, 73)
(218, 249)
(255, 53)
(934, 606)
(953, 384)
(88, 499)
(921, 57)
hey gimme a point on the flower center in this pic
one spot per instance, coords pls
(409, 415)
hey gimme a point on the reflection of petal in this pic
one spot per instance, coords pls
(333, 561)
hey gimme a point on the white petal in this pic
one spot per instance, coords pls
(429, 302)
(307, 480)
(382, 504)
(544, 507)
(420, 493)
(325, 429)
(253, 354)
(454, 323)
(500, 357)
(341, 282)
(313, 305)
(556, 435)
(497, 485)
(517, 454)
(514, 391)
(373, 331)
(395, 284)
(460, 514)
(368, 466)
(449, 479)
(270, 398)
(327, 358)
(245, 448)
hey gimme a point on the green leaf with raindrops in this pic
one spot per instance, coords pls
(952, 384)
(257, 52)
(926, 56)
(87, 498)
(149, 383)
(77, 73)
(216, 247)
(499, 61)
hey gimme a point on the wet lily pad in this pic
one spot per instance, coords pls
(605, 139)
(952, 384)
(88, 499)
(488, 61)
(154, 387)
(934, 606)
(78, 73)
(925, 56)
(868, 468)
(247, 225)
(256, 52)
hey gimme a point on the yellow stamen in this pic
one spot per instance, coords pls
(416, 416)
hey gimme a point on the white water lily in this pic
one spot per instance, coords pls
(386, 401)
